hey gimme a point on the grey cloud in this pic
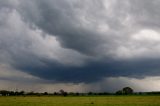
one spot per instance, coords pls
(75, 41)
(146, 84)
(71, 24)
(76, 24)
(146, 13)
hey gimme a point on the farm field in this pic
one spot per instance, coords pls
(81, 101)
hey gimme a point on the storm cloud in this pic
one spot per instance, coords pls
(70, 41)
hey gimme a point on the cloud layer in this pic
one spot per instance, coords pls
(71, 41)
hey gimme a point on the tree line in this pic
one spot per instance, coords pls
(124, 91)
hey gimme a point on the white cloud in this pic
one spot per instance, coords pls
(147, 35)
(140, 45)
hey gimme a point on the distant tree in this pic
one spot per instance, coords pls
(77, 93)
(120, 92)
(4, 93)
(127, 90)
(21, 93)
(55, 93)
(90, 93)
(11, 93)
(62, 92)
(45, 93)
(31, 93)
(72, 94)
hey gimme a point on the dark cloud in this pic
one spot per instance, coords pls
(94, 71)
(75, 41)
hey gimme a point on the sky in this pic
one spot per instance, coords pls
(79, 46)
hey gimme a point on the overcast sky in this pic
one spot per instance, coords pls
(75, 45)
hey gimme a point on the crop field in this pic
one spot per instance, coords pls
(81, 101)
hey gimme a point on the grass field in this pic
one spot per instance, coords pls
(82, 101)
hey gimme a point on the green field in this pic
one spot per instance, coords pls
(82, 101)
